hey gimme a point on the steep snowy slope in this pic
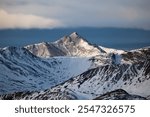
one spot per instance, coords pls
(45, 50)
(75, 45)
(72, 45)
(20, 70)
(132, 75)
(111, 50)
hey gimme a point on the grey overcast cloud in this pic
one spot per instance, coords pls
(74, 13)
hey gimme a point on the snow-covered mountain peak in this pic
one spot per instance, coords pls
(74, 35)
(73, 38)
(71, 45)
(75, 45)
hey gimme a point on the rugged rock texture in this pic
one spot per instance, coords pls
(72, 45)
(20, 70)
(119, 94)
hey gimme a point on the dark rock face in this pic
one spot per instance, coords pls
(15, 96)
(44, 95)
(119, 94)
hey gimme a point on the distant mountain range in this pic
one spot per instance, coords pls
(73, 68)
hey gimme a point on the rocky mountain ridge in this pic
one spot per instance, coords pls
(72, 68)
(72, 45)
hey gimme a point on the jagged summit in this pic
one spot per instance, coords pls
(72, 38)
(74, 35)
(72, 45)
(75, 45)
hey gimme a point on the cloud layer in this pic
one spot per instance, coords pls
(75, 13)
(18, 20)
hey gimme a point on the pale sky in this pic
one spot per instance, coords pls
(74, 13)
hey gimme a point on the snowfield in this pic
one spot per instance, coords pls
(22, 71)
